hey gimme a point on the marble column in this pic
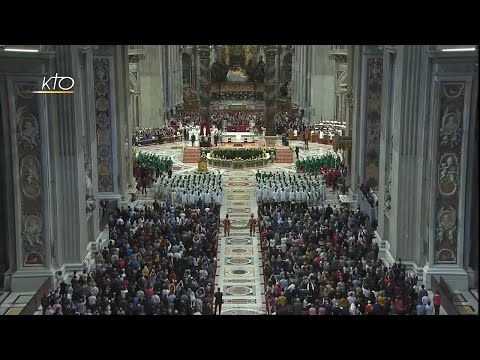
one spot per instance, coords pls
(453, 114)
(75, 162)
(179, 76)
(204, 88)
(386, 134)
(150, 70)
(26, 122)
(356, 167)
(406, 99)
(270, 93)
(111, 112)
(124, 127)
(322, 83)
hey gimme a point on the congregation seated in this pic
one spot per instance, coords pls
(147, 136)
(186, 117)
(321, 261)
(159, 261)
(287, 120)
(240, 118)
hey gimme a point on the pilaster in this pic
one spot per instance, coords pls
(151, 74)
(453, 104)
(26, 158)
(407, 156)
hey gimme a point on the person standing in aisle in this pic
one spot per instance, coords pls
(226, 225)
(218, 301)
(252, 223)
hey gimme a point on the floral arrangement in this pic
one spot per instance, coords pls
(231, 154)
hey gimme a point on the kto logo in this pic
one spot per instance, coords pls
(57, 85)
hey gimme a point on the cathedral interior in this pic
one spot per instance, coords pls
(272, 179)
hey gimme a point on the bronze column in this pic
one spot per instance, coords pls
(204, 82)
(270, 93)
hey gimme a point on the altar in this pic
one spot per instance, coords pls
(238, 137)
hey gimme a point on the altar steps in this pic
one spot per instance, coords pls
(191, 155)
(283, 154)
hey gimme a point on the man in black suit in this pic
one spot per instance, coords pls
(218, 302)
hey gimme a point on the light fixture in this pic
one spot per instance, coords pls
(22, 50)
(460, 49)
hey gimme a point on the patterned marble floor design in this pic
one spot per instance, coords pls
(239, 271)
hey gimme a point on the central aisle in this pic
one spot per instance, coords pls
(239, 267)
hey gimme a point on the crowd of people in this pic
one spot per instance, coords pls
(281, 188)
(185, 117)
(203, 189)
(153, 135)
(287, 120)
(160, 260)
(320, 260)
(226, 118)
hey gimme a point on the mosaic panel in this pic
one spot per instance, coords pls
(237, 203)
(239, 272)
(239, 290)
(239, 241)
(240, 301)
(238, 197)
(374, 110)
(450, 133)
(238, 210)
(238, 260)
(235, 251)
(238, 184)
(237, 224)
(28, 127)
(104, 127)
(242, 312)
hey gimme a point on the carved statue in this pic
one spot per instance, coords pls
(260, 71)
(284, 89)
(32, 234)
(388, 197)
(218, 72)
(226, 54)
(248, 55)
(89, 196)
(28, 131)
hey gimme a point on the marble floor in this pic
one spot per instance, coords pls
(13, 303)
(239, 270)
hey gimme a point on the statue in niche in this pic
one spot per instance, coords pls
(260, 70)
(448, 174)
(89, 196)
(388, 197)
(446, 227)
(226, 54)
(219, 69)
(283, 91)
(248, 55)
